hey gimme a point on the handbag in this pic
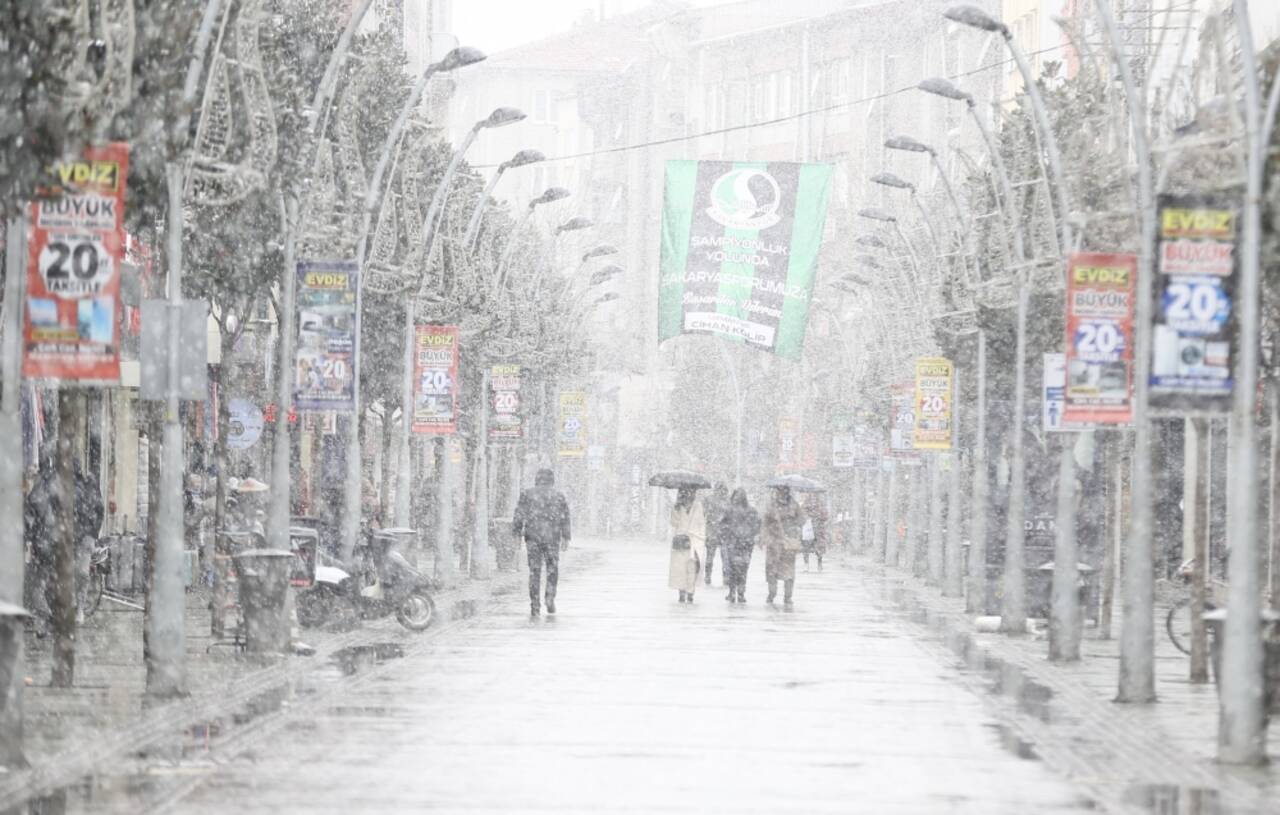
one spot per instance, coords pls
(680, 543)
(791, 544)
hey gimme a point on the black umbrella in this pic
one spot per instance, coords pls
(675, 479)
(796, 483)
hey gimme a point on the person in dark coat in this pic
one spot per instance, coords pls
(739, 527)
(542, 520)
(714, 506)
(42, 514)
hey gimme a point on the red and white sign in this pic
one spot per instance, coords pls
(71, 325)
(1099, 357)
(435, 379)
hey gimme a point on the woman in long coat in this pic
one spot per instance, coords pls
(782, 526)
(738, 530)
(688, 543)
(816, 510)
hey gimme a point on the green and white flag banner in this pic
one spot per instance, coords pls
(740, 245)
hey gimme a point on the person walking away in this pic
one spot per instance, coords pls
(40, 518)
(688, 543)
(90, 512)
(819, 529)
(714, 508)
(542, 521)
(783, 523)
(739, 528)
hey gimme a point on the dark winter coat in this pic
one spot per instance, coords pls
(739, 528)
(714, 507)
(542, 516)
(42, 510)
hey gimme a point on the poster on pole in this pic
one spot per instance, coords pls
(1098, 364)
(1193, 336)
(506, 422)
(843, 450)
(71, 323)
(573, 424)
(1053, 402)
(902, 418)
(324, 373)
(739, 252)
(933, 404)
(868, 444)
(435, 379)
(788, 444)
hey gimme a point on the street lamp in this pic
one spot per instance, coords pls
(520, 159)
(891, 180)
(874, 241)
(549, 196)
(876, 214)
(574, 224)
(599, 252)
(605, 273)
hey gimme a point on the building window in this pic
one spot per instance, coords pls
(785, 85)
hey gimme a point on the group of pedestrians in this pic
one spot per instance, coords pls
(699, 528)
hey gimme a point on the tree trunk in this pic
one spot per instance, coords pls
(62, 605)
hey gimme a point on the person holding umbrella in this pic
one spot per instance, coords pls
(783, 524)
(738, 528)
(688, 530)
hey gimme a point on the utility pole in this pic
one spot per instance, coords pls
(1064, 605)
(976, 596)
(953, 580)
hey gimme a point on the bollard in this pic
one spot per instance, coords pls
(264, 582)
(12, 619)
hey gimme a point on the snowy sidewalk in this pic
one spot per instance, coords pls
(1149, 757)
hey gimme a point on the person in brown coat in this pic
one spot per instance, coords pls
(782, 524)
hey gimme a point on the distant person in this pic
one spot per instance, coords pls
(782, 528)
(43, 516)
(739, 528)
(713, 508)
(542, 521)
(819, 526)
(688, 543)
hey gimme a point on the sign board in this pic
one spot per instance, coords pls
(324, 361)
(933, 404)
(506, 421)
(788, 444)
(246, 424)
(843, 450)
(435, 379)
(902, 417)
(739, 252)
(1098, 366)
(573, 424)
(71, 323)
(867, 448)
(193, 350)
(1193, 340)
(1053, 404)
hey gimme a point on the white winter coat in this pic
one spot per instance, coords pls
(686, 564)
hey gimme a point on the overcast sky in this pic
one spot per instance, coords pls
(495, 25)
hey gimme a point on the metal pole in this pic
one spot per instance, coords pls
(935, 550)
(1197, 445)
(917, 521)
(504, 262)
(882, 515)
(975, 599)
(473, 226)
(1242, 719)
(446, 559)
(1064, 604)
(1013, 609)
(1137, 681)
(953, 580)
(481, 554)
(12, 548)
(737, 391)
(891, 517)
(278, 507)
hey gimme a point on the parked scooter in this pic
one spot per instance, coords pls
(383, 583)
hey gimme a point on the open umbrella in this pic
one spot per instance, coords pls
(796, 482)
(675, 479)
(249, 485)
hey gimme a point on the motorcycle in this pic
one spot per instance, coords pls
(383, 583)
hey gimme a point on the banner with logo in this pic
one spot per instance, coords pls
(573, 424)
(933, 404)
(1098, 380)
(324, 373)
(1194, 325)
(506, 422)
(435, 379)
(71, 324)
(740, 245)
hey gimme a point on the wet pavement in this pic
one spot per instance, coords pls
(629, 701)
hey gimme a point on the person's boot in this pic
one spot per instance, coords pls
(551, 605)
(742, 595)
(534, 611)
(682, 596)
(819, 562)
(773, 592)
(786, 593)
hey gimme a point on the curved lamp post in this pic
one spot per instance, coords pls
(893, 181)
(550, 195)
(520, 159)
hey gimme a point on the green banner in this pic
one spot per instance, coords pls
(740, 245)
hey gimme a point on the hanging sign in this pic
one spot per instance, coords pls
(933, 404)
(902, 418)
(843, 449)
(71, 325)
(1194, 329)
(740, 245)
(788, 444)
(324, 376)
(505, 420)
(1097, 382)
(435, 379)
(867, 444)
(245, 423)
(573, 424)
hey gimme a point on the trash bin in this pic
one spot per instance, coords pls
(1216, 620)
(304, 542)
(1085, 580)
(504, 545)
(264, 583)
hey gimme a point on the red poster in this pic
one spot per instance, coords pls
(435, 379)
(1100, 302)
(71, 324)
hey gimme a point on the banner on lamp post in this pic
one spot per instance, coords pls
(573, 424)
(324, 373)
(506, 421)
(902, 422)
(435, 379)
(1097, 386)
(932, 404)
(1194, 331)
(739, 252)
(71, 323)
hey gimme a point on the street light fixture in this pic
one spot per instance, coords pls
(573, 224)
(944, 88)
(605, 273)
(599, 252)
(520, 159)
(891, 180)
(908, 144)
(874, 241)
(549, 196)
(975, 17)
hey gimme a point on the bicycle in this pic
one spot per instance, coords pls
(1178, 621)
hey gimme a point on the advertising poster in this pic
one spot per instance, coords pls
(1194, 323)
(1098, 375)
(71, 324)
(933, 404)
(843, 448)
(506, 422)
(435, 379)
(324, 375)
(573, 424)
(867, 448)
(739, 252)
(1054, 399)
(788, 444)
(902, 417)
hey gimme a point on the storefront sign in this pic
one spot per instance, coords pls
(573, 424)
(1098, 377)
(435, 379)
(933, 404)
(324, 376)
(506, 422)
(71, 324)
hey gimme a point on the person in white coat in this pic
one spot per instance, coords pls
(688, 543)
